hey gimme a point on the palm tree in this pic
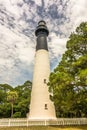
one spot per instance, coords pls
(11, 97)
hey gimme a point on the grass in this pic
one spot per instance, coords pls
(46, 128)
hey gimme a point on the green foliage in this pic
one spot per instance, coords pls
(17, 115)
(5, 110)
(69, 79)
(12, 96)
(14, 102)
(23, 101)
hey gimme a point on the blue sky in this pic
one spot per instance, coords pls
(18, 20)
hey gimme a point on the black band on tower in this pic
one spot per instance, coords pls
(41, 33)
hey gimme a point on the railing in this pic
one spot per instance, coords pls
(26, 122)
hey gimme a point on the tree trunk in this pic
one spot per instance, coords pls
(11, 110)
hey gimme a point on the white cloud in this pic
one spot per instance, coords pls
(14, 49)
(57, 45)
(76, 11)
(11, 8)
(26, 55)
(38, 2)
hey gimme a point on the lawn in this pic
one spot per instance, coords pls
(46, 128)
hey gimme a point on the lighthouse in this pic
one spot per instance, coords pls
(41, 107)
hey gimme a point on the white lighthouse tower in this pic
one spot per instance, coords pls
(41, 107)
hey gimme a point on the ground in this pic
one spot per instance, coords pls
(46, 128)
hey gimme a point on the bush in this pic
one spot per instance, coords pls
(17, 114)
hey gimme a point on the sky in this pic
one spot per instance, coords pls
(18, 21)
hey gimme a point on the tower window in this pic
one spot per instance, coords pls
(45, 81)
(46, 107)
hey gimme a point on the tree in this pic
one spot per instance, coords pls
(4, 106)
(69, 79)
(21, 100)
(11, 97)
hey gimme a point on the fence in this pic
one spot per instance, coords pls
(26, 122)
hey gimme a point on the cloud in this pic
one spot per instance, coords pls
(18, 20)
(56, 49)
(16, 57)
(76, 12)
(38, 2)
